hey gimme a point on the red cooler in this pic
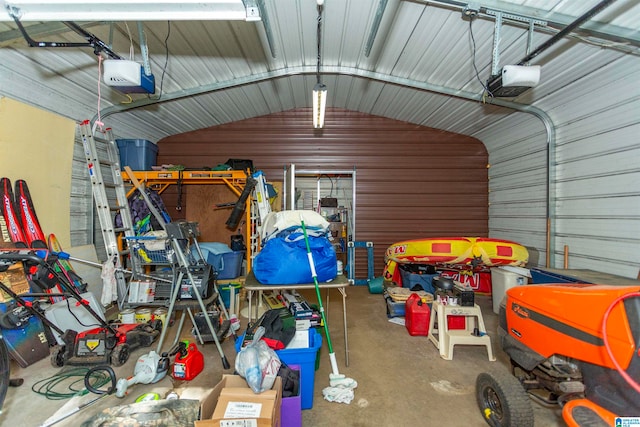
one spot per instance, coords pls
(417, 314)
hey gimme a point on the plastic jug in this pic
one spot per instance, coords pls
(417, 315)
(188, 363)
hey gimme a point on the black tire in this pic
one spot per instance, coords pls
(503, 401)
(57, 356)
(120, 354)
(5, 366)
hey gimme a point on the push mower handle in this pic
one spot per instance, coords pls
(8, 256)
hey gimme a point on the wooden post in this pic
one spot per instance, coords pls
(548, 258)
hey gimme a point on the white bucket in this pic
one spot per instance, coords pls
(503, 279)
(127, 316)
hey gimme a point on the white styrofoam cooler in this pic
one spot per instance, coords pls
(68, 314)
(504, 278)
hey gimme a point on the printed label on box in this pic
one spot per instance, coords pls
(627, 421)
(133, 291)
(303, 324)
(147, 291)
(243, 410)
(238, 423)
(142, 291)
(300, 340)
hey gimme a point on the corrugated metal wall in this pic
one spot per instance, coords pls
(518, 183)
(412, 181)
(595, 174)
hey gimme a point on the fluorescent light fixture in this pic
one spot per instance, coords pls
(130, 10)
(319, 104)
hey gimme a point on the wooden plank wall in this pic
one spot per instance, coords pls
(412, 181)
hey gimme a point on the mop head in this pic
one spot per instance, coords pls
(340, 389)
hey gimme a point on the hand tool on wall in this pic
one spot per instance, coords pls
(238, 209)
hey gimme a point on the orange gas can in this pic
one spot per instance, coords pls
(417, 315)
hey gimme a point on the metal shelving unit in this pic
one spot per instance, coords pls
(346, 202)
(233, 179)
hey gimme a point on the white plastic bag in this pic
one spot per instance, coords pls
(109, 284)
(258, 364)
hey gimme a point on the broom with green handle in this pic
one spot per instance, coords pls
(337, 381)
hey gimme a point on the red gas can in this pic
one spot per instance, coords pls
(188, 364)
(417, 315)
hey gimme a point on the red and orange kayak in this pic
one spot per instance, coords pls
(458, 251)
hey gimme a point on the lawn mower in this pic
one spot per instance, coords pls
(574, 345)
(109, 343)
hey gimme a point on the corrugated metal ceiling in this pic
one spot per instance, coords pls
(214, 72)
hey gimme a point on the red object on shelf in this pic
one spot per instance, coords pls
(456, 322)
(417, 315)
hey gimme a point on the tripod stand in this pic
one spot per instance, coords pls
(180, 233)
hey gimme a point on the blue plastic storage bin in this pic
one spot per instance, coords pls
(394, 308)
(306, 359)
(539, 276)
(138, 154)
(415, 281)
(228, 265)
(303, 357)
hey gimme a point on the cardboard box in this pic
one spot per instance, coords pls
(233, 400)
(15, 279)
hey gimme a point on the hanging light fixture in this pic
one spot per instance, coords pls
(319, 104)
(319, 90)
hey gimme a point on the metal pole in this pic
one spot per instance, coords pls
(553, 40)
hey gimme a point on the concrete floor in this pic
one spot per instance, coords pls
(402, 381)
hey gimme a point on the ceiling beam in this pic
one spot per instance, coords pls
(311, 70)
(266, 25)
(40, 30)
(382, 5)
(555, 21)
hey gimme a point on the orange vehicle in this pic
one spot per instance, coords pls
(571, 344)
